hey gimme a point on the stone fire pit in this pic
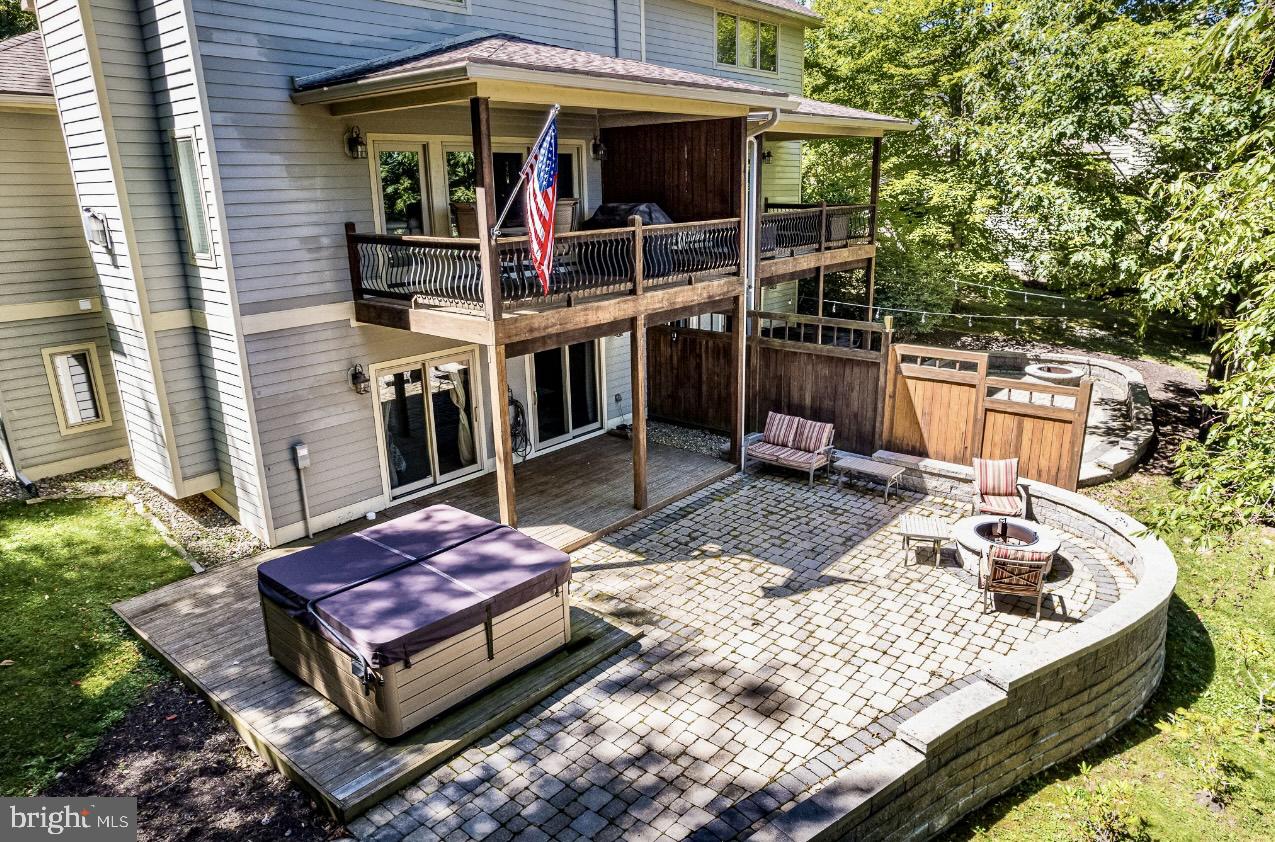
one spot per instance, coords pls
(1056, 373)
(974, 535)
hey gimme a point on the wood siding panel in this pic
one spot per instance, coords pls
(689, 169)
(689, 374)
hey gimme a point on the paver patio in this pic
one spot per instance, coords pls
(787, 632)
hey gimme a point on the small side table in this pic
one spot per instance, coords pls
(928, 529)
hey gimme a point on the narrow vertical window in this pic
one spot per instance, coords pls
(726, 38)
(191, 186)
(748, 43)
(769, 47)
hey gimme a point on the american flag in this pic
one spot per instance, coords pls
(542, 200)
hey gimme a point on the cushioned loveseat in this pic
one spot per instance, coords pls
(791, 442)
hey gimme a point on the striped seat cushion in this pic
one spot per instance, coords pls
(996, 477)
(1016, 569)
(786, 456)
(998, 505)
(812, 435)
(780, 429)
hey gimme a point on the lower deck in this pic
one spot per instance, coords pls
(209, 629)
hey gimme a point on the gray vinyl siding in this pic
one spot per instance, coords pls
(684, 35)
(83, 114)
(302, 394)
(187, 401)
(619, 379)
(27, 395)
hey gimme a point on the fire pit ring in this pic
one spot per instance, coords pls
(1058, 374)
(974, 535)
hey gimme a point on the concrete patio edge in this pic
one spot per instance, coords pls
(1025, 712)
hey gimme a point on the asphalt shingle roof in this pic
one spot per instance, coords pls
(23, 69)
(790, 6)
(817, 108)
(510, 51)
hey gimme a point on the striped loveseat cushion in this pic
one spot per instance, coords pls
(780, 429)
(812, 436)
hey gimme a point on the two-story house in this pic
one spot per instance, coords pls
(309, 313)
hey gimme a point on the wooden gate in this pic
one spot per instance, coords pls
(941, 404)
(689, 372)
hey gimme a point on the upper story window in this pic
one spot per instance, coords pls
(190, 184)
(744, 42)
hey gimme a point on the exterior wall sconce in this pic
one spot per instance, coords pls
(96, 229)
(355, 143)
(359, 381)
(598, 148)
(767, 157)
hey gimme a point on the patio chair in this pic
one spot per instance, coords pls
(791, 442)
(997, 490)
(1014, 571)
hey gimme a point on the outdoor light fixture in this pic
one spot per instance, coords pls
(355, 143)
(767, 157)
(598, 148)
(96, 229)
(359, 381)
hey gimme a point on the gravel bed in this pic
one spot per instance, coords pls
(208, 534)
(686, 438)
(9, 488)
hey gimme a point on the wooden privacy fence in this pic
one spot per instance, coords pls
(931, 402)
(829, 369)
(941, 404)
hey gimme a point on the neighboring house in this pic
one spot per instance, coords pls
(228, 144)
(59, 404)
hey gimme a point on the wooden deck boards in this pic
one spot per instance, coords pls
(210, 631)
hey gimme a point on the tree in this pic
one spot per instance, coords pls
(14, 20)
(1013, 103)
(1219, 244)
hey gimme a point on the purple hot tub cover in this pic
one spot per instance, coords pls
(395, 588)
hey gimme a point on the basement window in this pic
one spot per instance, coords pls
(75, 382)
(747, 43)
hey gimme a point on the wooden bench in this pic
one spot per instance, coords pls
(851, 463)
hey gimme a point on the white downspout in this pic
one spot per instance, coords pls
(752, 235)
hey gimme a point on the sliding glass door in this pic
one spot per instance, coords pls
(427, 420)
(566, 392)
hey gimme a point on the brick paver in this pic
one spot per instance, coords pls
(786, 633)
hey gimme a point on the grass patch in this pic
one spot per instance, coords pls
(75, 667)
(1199, 761)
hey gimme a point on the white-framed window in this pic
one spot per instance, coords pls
(747, 43)
(75, 382)
(193, 198)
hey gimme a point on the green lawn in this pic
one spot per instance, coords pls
(1199, 733)
(71, 667)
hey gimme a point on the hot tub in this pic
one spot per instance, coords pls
(401, 621)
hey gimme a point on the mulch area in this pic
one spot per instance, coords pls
(193, 778)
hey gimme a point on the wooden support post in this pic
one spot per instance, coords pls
(498, 384)
(637, 380)
(639, 258)
(823, 240)
(738, 353)
(485, 203)
(883, 383)
(356, 267)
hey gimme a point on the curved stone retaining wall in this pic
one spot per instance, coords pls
(1125, 454)
(1024, 712)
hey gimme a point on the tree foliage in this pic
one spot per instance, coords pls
(1219, 240)
(14, 20)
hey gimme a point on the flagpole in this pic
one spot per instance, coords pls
(522, 174)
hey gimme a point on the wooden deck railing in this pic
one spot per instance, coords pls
(850, 336)
(447, 271)
(791, 229)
